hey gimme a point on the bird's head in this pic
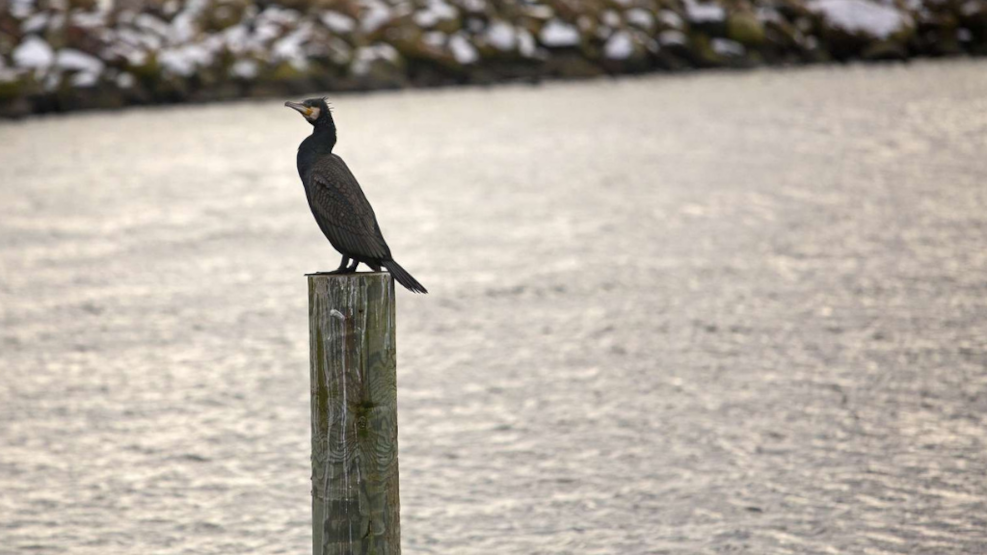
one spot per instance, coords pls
(315, 111)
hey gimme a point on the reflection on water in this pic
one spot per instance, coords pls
(730, 312)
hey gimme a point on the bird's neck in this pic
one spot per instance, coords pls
(315, 146)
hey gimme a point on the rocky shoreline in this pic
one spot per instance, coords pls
(61, 55)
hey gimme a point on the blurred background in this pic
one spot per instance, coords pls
(669, 312)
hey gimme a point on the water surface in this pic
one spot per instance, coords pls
(729, 312)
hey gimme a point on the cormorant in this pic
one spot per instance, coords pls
(338, 202)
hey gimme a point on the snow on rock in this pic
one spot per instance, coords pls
(558, 34)
(376, 14)
(125, 81)
(765, 14)
(183, 26)
(184, 60)
(972, 7)
(501, 36)
(526, 43)
(89, 20)
(436, 11)
(473, 5)
(74, 60)
(34, 53)
(620, 46)
(366, 55)
(21, 9)
(671, 37)
(148, 22)
(337, 22)
(245, 69)
(671, 19)
(640, 18)
(860, 16)
(435, 39)
(290, 47)
(35, 23)
(462, 50)
(727, 47)
(84, 80)
(704, 13)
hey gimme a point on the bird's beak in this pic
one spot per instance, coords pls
(301, 108)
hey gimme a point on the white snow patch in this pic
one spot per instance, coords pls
(557, 33)
(134, 38)
(765, 14)
(35, 23)
(183, 26)
(704, 13)
(184, 60)
(671, 19)
(75, 60)
(860, 16)
(640, 18)
(671, 37)
(501, 36)
(376, 15)
(435, 39)
(150, 23)
(89, 20)
(474, 5)
(125, 80)
(290, 47)
(539, 11)
(526, 43)
(727, 47)
(462, 50)
(52, 81)
(245, 69)
(619, 47)
(34, 53)
(337, 22)
(84, 80)
(21, 9)
(436, 11)
(365, 55)
(972, 7)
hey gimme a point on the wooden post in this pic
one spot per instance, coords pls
(355, 505)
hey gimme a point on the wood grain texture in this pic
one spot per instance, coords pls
(355, 503)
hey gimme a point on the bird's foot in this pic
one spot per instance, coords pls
(332, 273)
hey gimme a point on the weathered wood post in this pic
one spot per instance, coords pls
(355, 505)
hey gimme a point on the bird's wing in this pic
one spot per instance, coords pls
(343, 212)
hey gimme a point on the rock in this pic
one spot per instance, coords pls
(885, 50)
(851, 28)
(745, 29)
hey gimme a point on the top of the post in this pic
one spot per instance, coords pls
(353, 275)
(373, 280)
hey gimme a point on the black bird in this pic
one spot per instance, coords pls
(337, 201)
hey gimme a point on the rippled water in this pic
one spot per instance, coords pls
(694, 314)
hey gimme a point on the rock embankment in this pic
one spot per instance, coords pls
(60, 55)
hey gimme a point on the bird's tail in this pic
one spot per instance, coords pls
(403, 277)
